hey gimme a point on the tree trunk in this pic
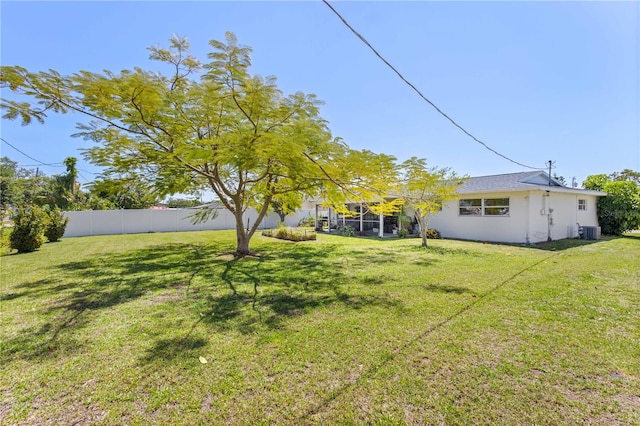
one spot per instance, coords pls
(242, 242)
(243, 235)
(242, 239)
(422, 225)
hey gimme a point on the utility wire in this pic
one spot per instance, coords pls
(26, 155)
(38, 165)
(364, 40)
(40, 162)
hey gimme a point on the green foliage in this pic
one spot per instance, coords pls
(284, 204)
(626, 175)
(10, 191)
(433, 234)
(425, 189)
(29, 224)
(122, 193)
(619, 211)
(308, 222)
(56, 225)
(182, 202)
(402, 233)
(232, 132)
(560, 179)
(290, 234)
(346, 230)
(5, 230)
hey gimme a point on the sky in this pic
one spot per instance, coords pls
(535, 81)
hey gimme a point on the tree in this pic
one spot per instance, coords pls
(182, 202)
(20, 186)
(123, 193)
(230, 131)
(10, 191)
(425, 190)
(626, 175)
(286, 204)
(560, 179)
(619, 211)
(63, 192)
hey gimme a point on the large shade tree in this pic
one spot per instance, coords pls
(204, 124)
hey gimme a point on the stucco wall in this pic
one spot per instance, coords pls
(511, 228)
(528, 219)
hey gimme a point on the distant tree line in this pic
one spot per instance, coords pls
(20, 187)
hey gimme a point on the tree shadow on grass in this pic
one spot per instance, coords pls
(284, 280)
(171, 348)
(440, 288)
(556, 245)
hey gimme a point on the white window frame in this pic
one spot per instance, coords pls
(582, 204)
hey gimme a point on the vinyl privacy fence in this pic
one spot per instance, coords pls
(111, 222)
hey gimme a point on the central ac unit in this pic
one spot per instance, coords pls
(591, 232)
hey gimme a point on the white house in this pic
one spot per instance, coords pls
(517, 208)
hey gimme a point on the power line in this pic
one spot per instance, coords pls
(40, 163)
(26, 155)
(364, 40)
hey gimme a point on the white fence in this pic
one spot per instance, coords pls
(110, 222)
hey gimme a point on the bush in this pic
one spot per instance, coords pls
(307, 222)
(56, 226)
(347, 231)
(619, 211)
(29, 225)
(402, 233)
(290, 234)
(433, 234)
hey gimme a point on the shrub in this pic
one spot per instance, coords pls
(290, 234)
(402, 233)
(307, 222)
(56, 226)
(347, 231)
(619, 211)
(433, 234)
(29, 225)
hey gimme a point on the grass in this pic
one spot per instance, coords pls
(169, 329)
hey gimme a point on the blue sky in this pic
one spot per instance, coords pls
(536, 81)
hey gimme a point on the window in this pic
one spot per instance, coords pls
(484, 207)
(496, 207)
(471, 207)
(582, 204)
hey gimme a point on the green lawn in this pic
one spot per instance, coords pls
(170, 329)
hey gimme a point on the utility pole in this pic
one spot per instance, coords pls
(550, 163)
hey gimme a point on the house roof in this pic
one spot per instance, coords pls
(512, 182)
